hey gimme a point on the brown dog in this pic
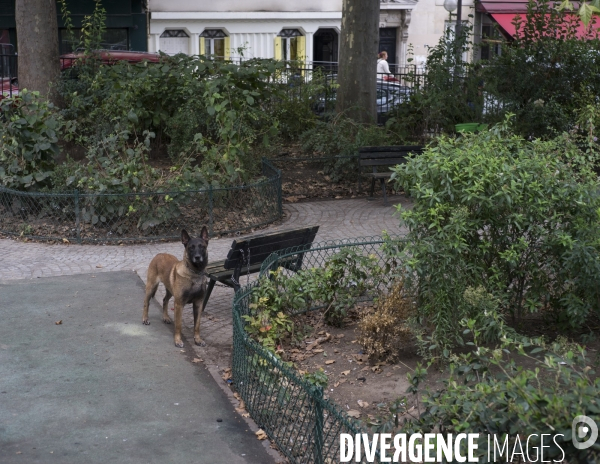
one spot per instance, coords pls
(185, 280)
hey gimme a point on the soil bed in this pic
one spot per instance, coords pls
(364, 388)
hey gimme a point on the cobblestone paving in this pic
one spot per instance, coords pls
(337, 220)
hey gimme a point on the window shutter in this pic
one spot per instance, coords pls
(301, 48)
(202, 46)
(227, 48)
(278, 54)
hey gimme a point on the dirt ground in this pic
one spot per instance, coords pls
(364, 388)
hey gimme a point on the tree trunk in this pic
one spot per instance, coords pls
(357, 71)
(37, 40)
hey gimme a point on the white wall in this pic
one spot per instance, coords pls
(427, 25)
(257, 36)
(245, 5)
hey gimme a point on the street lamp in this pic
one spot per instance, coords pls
(450, 6)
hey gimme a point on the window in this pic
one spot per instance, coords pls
(490, 41)
(171, 33)
(112, 39)
(214, 42)
(291, 44)
(174, 41)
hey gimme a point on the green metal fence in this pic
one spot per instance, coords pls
(108, 217)
(294, 413)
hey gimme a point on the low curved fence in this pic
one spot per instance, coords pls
(145, 216)
(295, 414)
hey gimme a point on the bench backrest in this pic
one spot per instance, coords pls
(259, 247)
(386, 156)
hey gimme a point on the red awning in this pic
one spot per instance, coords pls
(505, 21)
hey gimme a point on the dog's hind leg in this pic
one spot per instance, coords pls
(166, 318)
(198, 310)
(151, 286)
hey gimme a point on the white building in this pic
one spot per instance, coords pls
(286, 29)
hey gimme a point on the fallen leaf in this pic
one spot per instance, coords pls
(246, 414)
(318, 351)
(340, 336)
(197, 360)
(237, 396)
(330, 361)
(241, 407)
(99, 266)
(58, 322)
(346, 372)
(335, 385)
(362, 404)
(353, 413)
(389, 374)
(65, 240)
(261, 435)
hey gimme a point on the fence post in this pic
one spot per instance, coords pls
(77, 217)
(280, 193)
(210, 210)
(318, 430)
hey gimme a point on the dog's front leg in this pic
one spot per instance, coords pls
(178, 318)
(198, 310)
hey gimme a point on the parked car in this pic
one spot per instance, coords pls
(8, 87)
(389, 95)
(109, 57)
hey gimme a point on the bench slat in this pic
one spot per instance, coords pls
(378, 175)
(261, 246)
(396, 148)
(385, 155)
(383, 162)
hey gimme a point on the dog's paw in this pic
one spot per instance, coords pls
(179, 344)
(199, 342)
(145, 322)
(166, 320)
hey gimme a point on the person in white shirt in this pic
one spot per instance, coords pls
(384, 68)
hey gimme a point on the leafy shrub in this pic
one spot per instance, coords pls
(449, 94)
(543, 77)
(29, 133)
(544, 74)
(386, 329)
(210, 109)
(513, 217)
(490, 392)
(343, 137)
(267, 322)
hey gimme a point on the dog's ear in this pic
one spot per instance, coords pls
(185, 237)
(204, 234)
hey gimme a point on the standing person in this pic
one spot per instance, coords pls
(384, 68)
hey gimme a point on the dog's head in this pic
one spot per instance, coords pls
(196, 253)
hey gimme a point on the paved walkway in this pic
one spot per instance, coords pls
(100, 387)
(337, 219)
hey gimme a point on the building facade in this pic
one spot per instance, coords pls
(307, 30)
(126, 24)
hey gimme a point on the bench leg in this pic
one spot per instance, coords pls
(372, 187)
(211, 285)
(385, 200)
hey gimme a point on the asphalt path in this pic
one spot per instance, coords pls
(100, 387)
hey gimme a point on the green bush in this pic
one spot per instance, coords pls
(343, 137)
(490, 392)
(511, 216)
(29, 133)
(216, 111)
(544, 76)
